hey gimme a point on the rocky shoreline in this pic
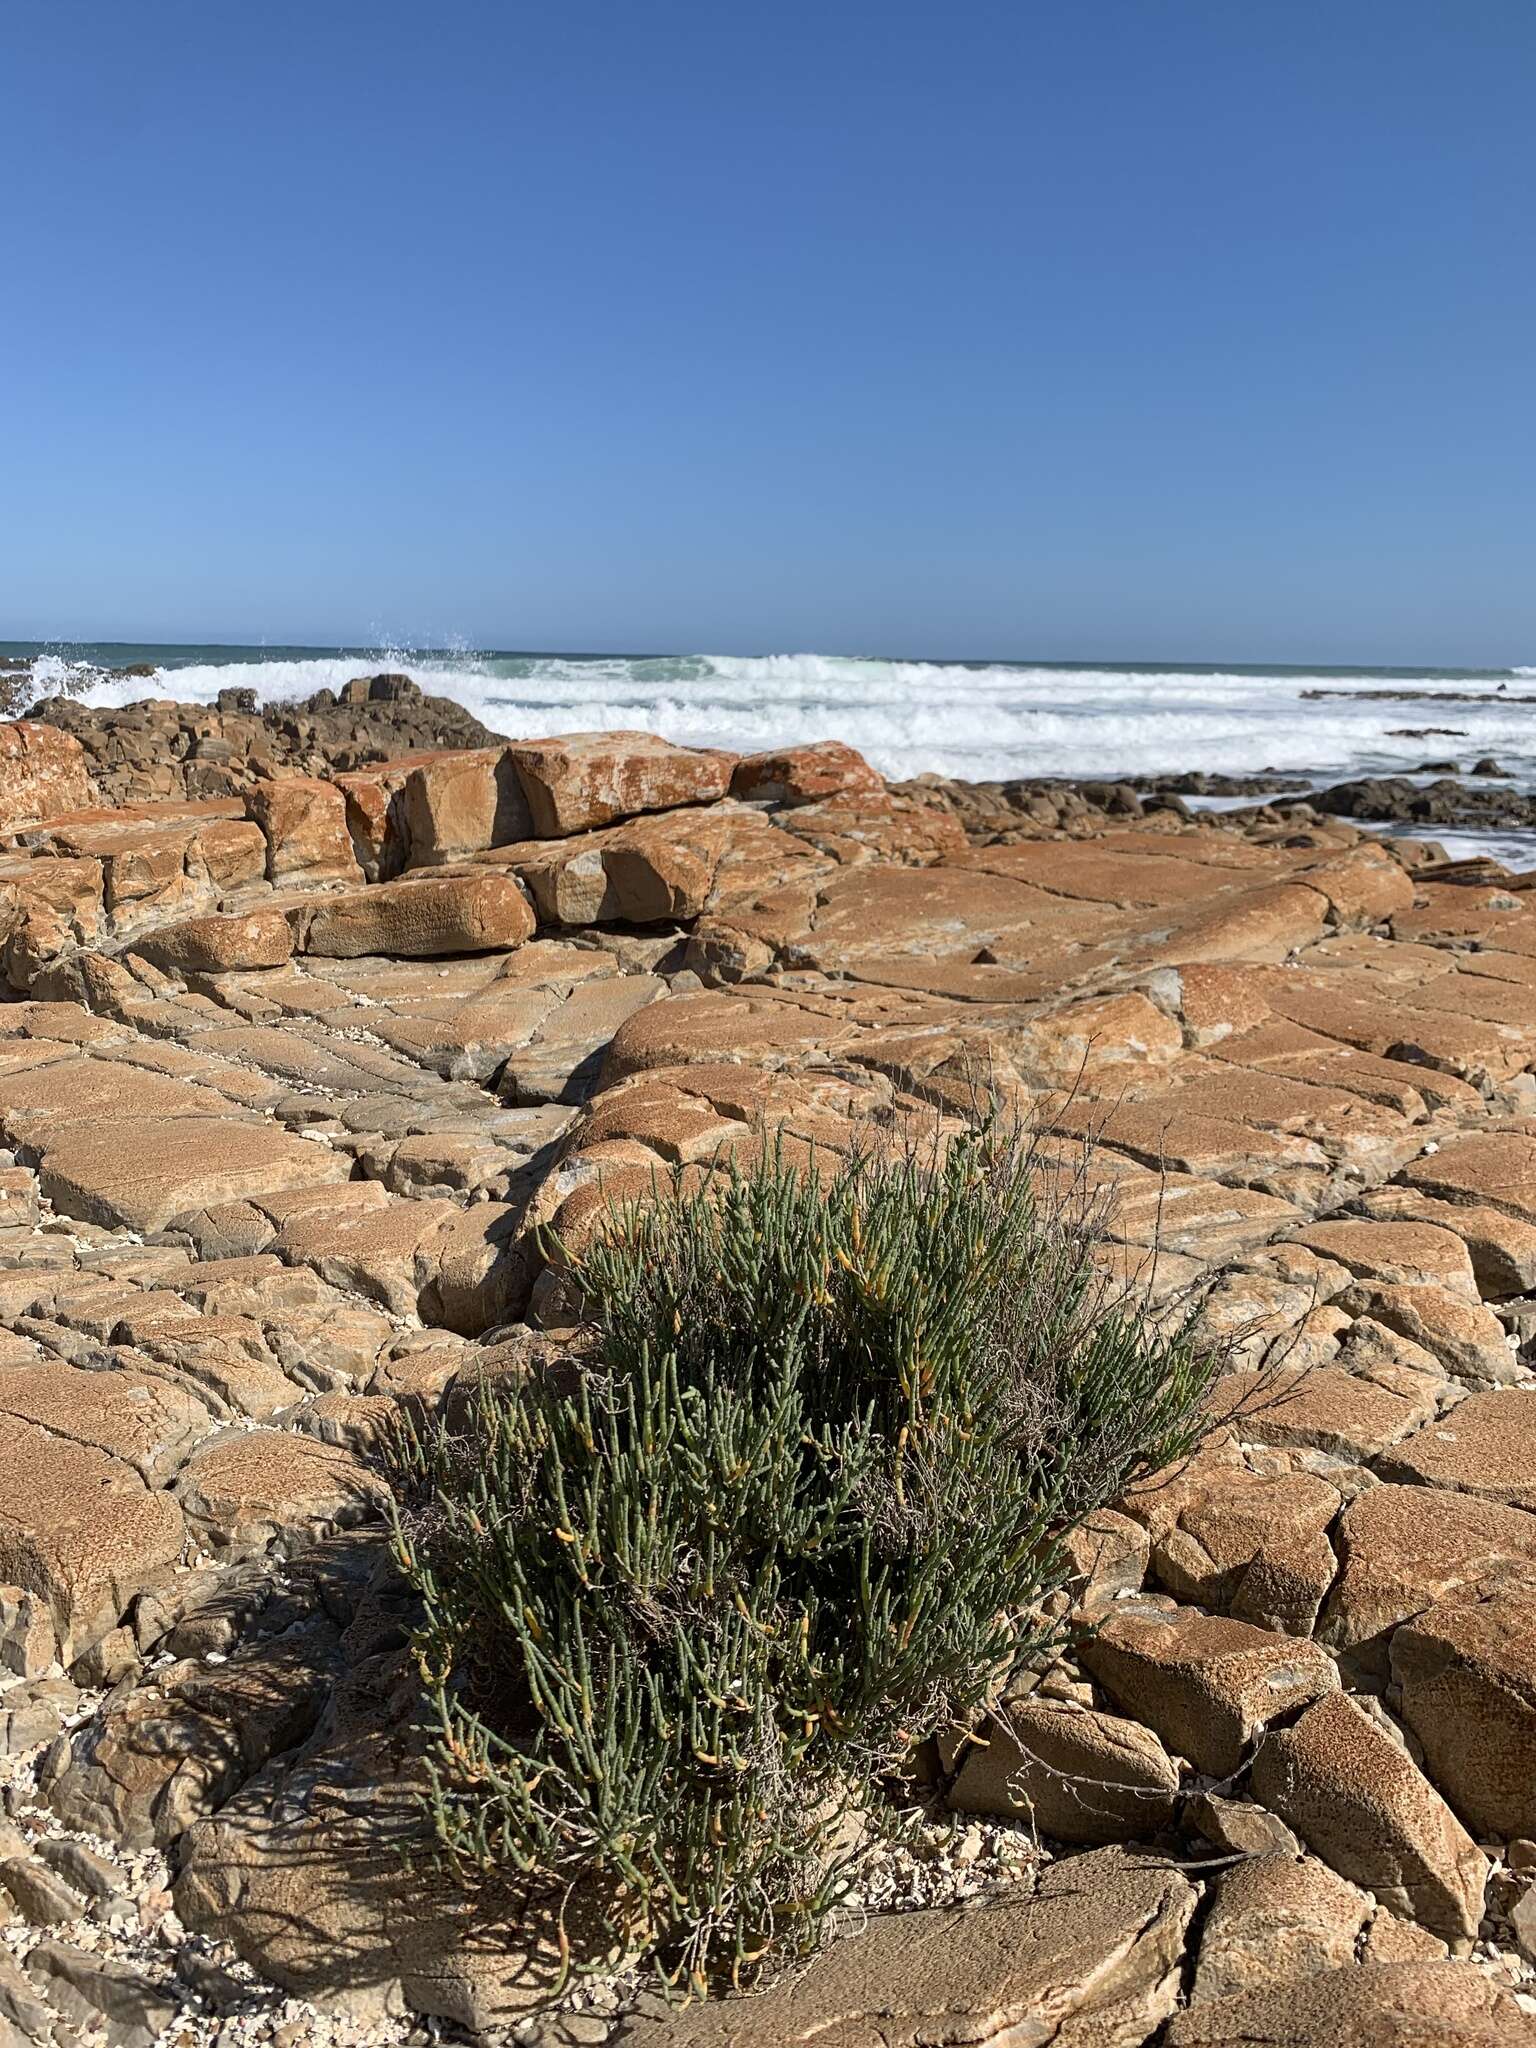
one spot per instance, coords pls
(315, 1015)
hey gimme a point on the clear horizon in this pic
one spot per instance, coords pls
(832, 329)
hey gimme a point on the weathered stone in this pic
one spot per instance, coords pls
(1465, 1672)
(43, 772)
(1207, 1685)
(220, 945)
(423, 916)
(1092, 1957)
(81, 1531)
(1467, 1338)
(590, 778)
(460, 803)
(1386, 2005)
(95, 1991)
(1412, 1254)
(304, 823)
(175, 1749)
(1274, 1919)
(1403, 1548)
(246, 1493)
(1358, 1801)
(804, 775)
(1077, 1775)
(1485, 1446)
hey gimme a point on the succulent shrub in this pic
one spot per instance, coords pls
(794, 1504)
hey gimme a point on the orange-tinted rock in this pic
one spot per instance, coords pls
(804, 775)
(590, 778)
(1466, 1677)
(42, 773)
(456, 804)
(1206, 1684)
(1403, 1548)
(422, 916)
(304, 823)
(1485, 1446)
(1074, 1774)
(1358, 1801)
(1398, 1253)
(219, 945)
(1493, 1167)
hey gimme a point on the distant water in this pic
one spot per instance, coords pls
(979, 720)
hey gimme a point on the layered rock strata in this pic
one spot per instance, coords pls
(292, 1076)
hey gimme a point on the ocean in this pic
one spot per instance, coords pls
(981, 720)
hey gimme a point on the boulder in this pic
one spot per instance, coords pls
(1485, 1446)
(423, 916)
(1357, 1800)
(590, 778)
(1076, 1775)
(1404, 1548)
(1465, 1673)
(219, 945)
(247, 1493)
(304, 822)
(1385, 2005)
(805, 775)
(1207, 1685)
(1092, 1957)
(1274, 1918)
(454, 804)
(43, 772)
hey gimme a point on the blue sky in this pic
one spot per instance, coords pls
(1196, 329)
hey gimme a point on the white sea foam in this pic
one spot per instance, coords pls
(911, 716)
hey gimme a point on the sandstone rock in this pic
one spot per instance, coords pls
(1077, 1775)
(1404, 1548)
(1412, 1254)
(1396, 2005)
(1492, 1168)
(454, 804)
(304, 823)
(1091, 1958)
(1109, 1553)
(1467, 1338)
(81, 1531)
(246, 1493)
(804, 775)
(1241, 1827)
(1502, 1248)
(176, 1749)
(1485, 1446)
(1466, 1677)
(1205, 1684)
(586, 779)
(1358, 1801)
(95, 1991)
(43, 772)
(418, 917)
(219, 945)
(1274, 1919)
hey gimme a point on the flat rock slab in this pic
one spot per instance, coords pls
(1387, 2005)
(80, 1530)
(246, 1492)
(1099, 1943)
